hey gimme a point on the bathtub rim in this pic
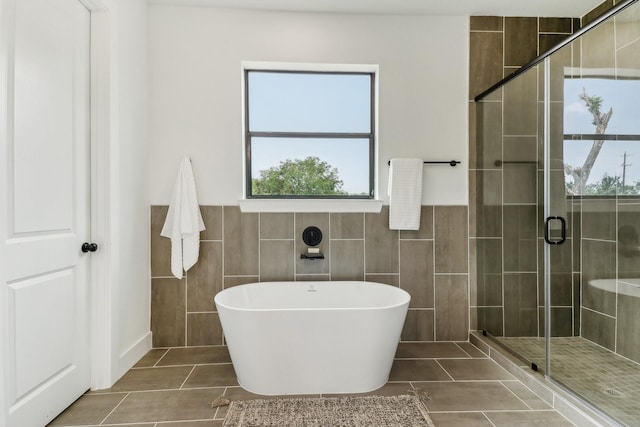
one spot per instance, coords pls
(406, 297)
(629, 287)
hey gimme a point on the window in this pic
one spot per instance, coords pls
(309, 134)
(601, 136)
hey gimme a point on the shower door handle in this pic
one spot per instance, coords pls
(563, 230)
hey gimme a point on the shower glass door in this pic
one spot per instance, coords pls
(557, 187)
(561, 207)
(509, 189)
(593, 180)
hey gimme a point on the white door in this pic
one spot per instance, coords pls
(45, 141)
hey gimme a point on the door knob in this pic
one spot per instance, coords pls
(89, 247)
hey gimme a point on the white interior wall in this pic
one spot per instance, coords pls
(195, 79)
(129, 252)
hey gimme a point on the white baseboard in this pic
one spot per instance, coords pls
(133, 354)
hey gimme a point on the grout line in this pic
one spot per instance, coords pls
(445, 371)
(224, 393)
(436, 357)
(486, 31)
(598, 312)
(116, 407)
(286, 240)
(518, 397)
(537, 39)
(524, 411)
(187, 377)
(186, 310)
(463, 350)
(450, 274)
(240, 275)
(161, 357)
(485, 415)
(216, 387)
(433, 269)
(182, 365)
(158, 390)
(451, 381)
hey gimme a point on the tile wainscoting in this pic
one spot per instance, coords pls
(432, 264)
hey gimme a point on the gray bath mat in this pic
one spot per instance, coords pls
(369, 411)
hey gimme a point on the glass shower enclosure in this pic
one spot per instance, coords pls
(558, 214)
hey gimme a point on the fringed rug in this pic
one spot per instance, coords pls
(369, 411)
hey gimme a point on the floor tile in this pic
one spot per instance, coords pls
(429, 350)
(151, 358)
(475, 369)
(238, 393)
(195, 356)
(470, 396)
(528, 419)
(172, 405)
(530, 398)
(212, 376)
(417, 370)
(140, 379)
(389, 389)
(175, 387)
(208, 423)
(89, 409)
(127, 425)
(460, 419)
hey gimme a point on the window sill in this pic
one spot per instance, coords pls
(309, 205)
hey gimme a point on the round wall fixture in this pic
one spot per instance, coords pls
(312, 236)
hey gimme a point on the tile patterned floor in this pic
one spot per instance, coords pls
(173, 388)
(605, 379)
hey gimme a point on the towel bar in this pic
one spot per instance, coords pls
(451, 163)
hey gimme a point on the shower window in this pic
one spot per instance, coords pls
(601, 136)
(309, 134)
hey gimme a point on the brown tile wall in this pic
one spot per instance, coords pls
(431, 264)
(504, 173)
(608, 224)
(506, 273)
(438, 265)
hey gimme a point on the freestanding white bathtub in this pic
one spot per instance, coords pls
(312, 337)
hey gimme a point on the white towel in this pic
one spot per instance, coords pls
(405, 194)
(184, 221)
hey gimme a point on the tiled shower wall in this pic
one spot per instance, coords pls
(611, 225)
(431, 264)
(599, 228)
(610, 251)
(498, 47)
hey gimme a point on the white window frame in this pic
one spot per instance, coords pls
(310, 205)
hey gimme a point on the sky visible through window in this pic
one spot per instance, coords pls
(318, 103)
(624, 97)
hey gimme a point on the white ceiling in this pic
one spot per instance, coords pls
(563, 8)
